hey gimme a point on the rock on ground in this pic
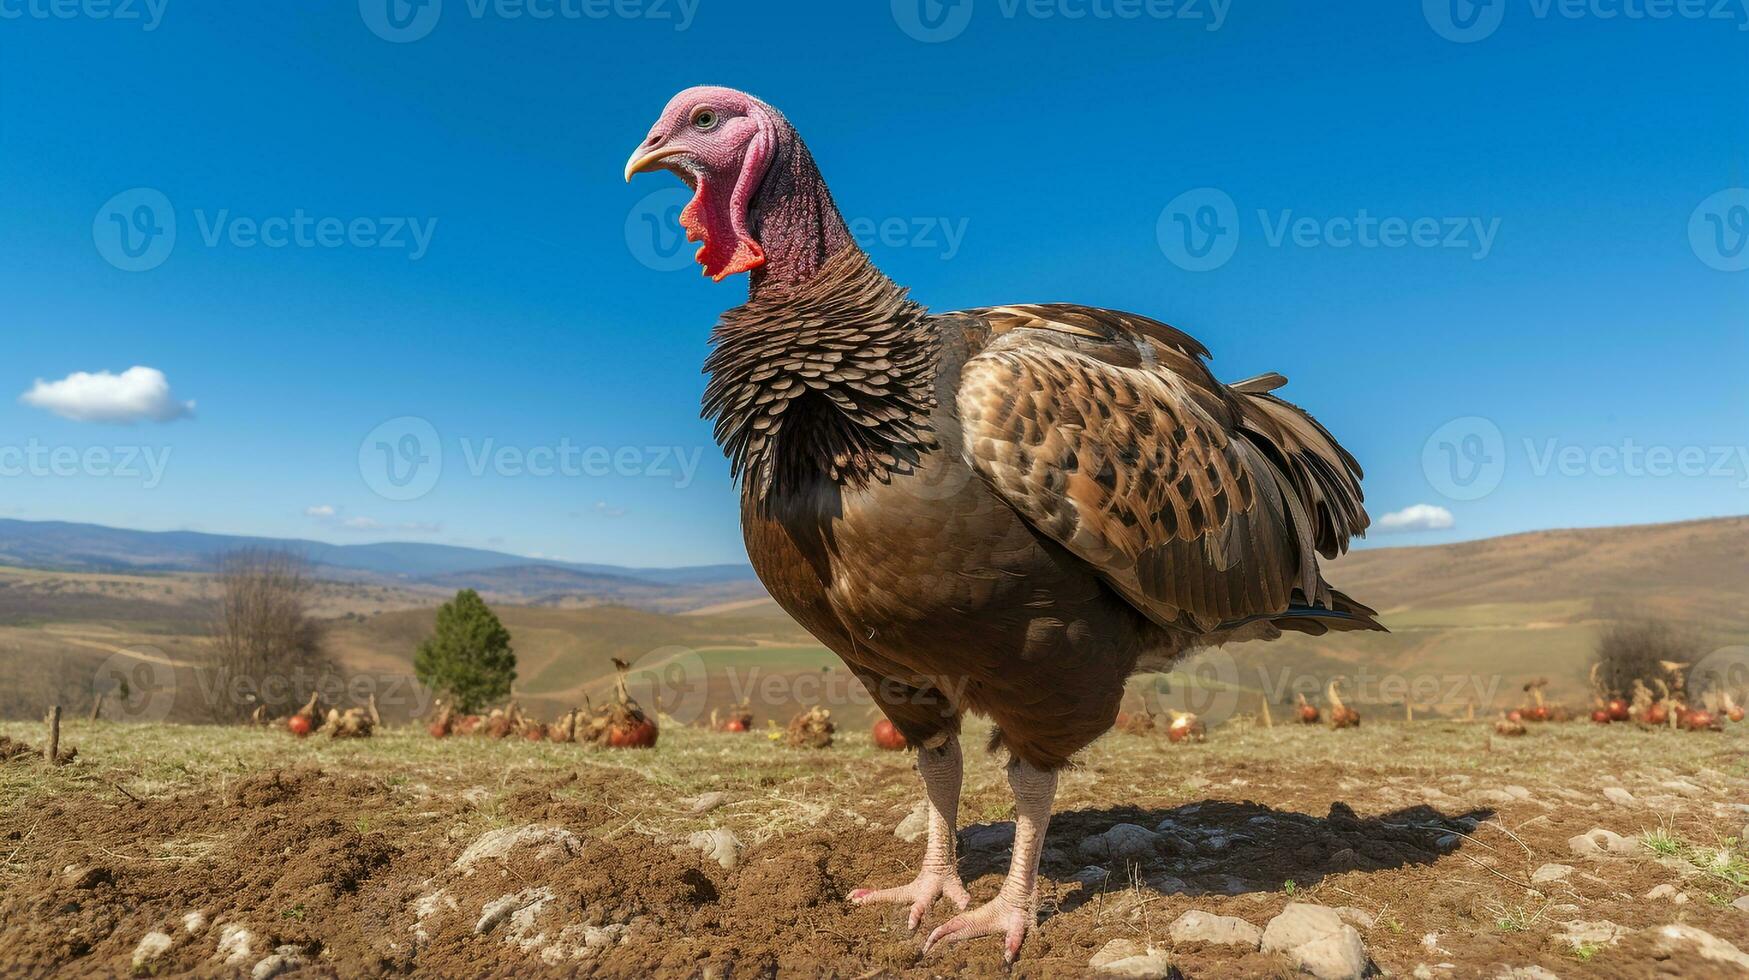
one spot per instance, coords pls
(550, 844)
(1619, 796)
(285, 959)
(719, 844)
(152, 945)
(1317, 940)
(1202, 927)
(1128, 958)
(914, 826)
(1600, 841)
(1124, 842)
(1578, 933)
(1681, 940)
(1550, 873)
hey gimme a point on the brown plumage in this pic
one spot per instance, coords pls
(1009, 509)
(1005, 510)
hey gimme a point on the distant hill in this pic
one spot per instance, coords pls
(1492, 614)
(1471, 621)
(63, 546)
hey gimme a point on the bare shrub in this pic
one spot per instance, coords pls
(1638, 650)
(266, 648)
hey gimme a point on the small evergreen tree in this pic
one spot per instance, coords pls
(468, 659)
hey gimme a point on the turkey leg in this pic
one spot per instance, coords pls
(941, 767)
(1014, 910)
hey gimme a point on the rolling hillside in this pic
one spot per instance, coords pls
(1470, 622)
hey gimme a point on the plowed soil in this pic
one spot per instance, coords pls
(252, 852)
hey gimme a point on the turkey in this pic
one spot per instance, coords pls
(1004, 511)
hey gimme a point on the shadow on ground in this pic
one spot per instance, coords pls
(1218, 848)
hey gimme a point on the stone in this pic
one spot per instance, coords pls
(236, 945)
(549, 843)
(991, 837)
(706, 802)
(1524, 973)
(1197, 926)
(719, 844)
(1686, 940)
(194, 923)
(1662, 891)
(1600, 841)
(1124, 842)
(285, 959)
(1317, 941)
(1619, 796)
(1741, 904)
(1600, 933)
(1358, 918)
(914, 826)
(151, 946)
(1128, 958)
(1550, 873)
(1684, 787)
(496, 912)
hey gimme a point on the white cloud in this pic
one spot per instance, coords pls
(1417, 517)
(321, 511)
(137, 394)
(361, 523)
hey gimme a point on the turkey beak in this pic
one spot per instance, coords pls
(644, 160)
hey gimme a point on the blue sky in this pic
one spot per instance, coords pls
(1518, 215)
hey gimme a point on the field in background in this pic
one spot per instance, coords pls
(729, 855)
(1470, 622)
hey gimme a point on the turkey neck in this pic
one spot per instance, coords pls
(826, 383)
(795, 220)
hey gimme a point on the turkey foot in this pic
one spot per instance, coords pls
(940, 764)
(1014, 910)
(921, 894)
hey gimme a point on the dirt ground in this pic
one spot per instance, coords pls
(168, 851)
